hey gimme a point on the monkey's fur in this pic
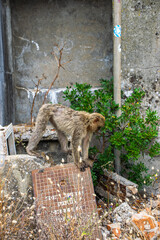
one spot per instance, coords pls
(78, 126)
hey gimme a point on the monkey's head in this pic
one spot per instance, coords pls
(96, 121)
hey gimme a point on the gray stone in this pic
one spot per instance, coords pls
(122, 213)
(105, 233)
(17, 174)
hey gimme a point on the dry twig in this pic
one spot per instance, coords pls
(37, 91)
(59, 66)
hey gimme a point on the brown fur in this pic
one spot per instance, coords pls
(78, 126)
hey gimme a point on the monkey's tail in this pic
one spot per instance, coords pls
(45, 113)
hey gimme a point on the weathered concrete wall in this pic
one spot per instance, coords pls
(84, 28)
(141, 55)
(141, 49)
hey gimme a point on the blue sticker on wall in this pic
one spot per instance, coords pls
(117, 31)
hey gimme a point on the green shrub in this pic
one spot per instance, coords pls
(132, 133)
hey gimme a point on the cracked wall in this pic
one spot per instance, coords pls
(141, 49)
(84, 28)
(141, 55)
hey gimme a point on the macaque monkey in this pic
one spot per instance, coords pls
(74, 126)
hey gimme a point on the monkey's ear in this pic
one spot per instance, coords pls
(96, 120)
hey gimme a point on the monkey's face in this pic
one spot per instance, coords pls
(100, 125)
(98, 122)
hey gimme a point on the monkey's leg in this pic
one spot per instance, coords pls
(41, 123)
(63, 141)
(77, 149)
(34, 140)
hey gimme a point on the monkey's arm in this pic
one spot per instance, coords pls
(85, 147)
(76, 148)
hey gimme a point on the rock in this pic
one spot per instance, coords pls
(156, 213)
(105, 232)
(115, 229)
(122, 213)
(159, 229)
(152, 203)
(17, 174)
(146, 224)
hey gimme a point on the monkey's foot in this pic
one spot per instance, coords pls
(82, 166)
(33, 153)
(36, 154)
(89, 163)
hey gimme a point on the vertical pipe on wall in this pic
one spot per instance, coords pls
(6, 81)
(10, 109)
(117, 66)
(2, 72)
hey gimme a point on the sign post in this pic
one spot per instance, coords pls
(117, 66)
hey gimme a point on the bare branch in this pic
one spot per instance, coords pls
(37, 91)
(59, 66)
